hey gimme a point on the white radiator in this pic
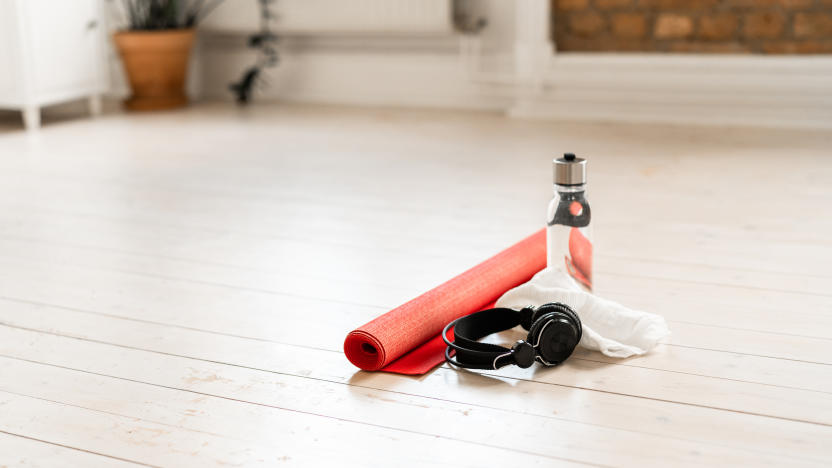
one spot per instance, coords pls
(324, 17)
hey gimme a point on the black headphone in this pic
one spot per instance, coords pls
(554, 331)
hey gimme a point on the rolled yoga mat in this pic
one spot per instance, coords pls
(407, 340)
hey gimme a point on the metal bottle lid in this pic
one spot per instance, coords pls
(569, 170)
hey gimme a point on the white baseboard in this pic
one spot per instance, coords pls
(782, 91)
(380, 71)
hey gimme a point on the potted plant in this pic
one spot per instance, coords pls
(156, 48)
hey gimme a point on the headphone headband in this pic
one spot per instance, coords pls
(554, 331)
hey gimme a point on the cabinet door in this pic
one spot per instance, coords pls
(11, 74)
(65, 45)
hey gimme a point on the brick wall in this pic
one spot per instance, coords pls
(711, 26)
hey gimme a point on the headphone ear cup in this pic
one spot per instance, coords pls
(537, 325)
(544, 309)
(562, 308)
(554, 336)
(574, 315)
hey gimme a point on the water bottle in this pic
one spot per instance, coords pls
(568, 231)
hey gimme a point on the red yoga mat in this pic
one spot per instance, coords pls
(407, 340)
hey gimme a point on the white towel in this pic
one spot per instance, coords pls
(608, 326)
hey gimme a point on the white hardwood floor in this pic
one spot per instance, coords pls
(175, 289)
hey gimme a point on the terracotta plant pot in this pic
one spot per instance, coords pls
(157, 65)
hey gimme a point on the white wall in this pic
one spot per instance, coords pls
(336, 17)
(435, 67)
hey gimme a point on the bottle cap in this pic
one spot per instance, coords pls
(569, 170)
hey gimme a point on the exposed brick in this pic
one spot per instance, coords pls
(612, 4)
(602, 44)
(673, 26)
(586, 24)
(815, 25)
(678, 4)
(767, 24)
(717, 26)
(571, 4)
(695, 26)
(756, 4)
(795, 3)
(629, 24)
(710, 47)
(798, 47)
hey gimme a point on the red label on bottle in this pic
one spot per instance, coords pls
(580, 263)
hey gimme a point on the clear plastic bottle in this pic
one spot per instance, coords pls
(568, 232)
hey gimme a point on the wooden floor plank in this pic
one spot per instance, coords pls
(554, 438)
(679, 301)
(164, 445)
(741, 252)
(701, 362)
(715, 337)
(738, 429)
(157, 299)
(738, 341)
(24, 452)
(608, 266)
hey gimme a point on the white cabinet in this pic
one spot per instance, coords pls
(51, 51)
